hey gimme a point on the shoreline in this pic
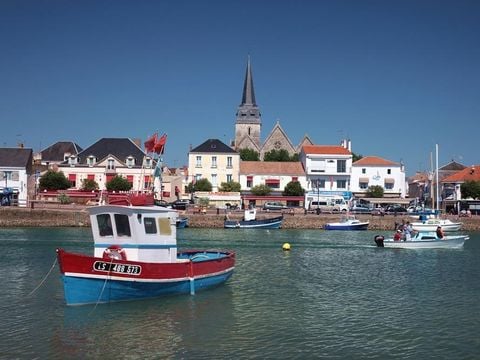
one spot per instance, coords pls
(76, 216)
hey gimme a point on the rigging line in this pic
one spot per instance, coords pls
(45, 278)
(103, 287)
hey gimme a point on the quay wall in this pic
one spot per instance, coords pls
(69, 216)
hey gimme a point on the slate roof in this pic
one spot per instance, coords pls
(120, 148)
(213, 146)
(452, 166)
(293, 168)
(374, 161)
(325, 150)
(56, 152)
(16, 157)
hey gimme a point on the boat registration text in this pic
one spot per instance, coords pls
(117, 268)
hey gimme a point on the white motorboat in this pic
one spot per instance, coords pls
(433, 224)
(347, 223)
(423, 240)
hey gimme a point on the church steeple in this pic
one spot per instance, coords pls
(248, 124)
(248, 97)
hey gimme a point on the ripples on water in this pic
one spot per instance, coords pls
(334, 295)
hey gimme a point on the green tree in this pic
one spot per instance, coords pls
(231, 186)
(249, 155)
(375, 191)
(261, 190)
(202, 185)
(470, 189)
(277, 155)
(53, 180)
(118, 183)
(293, 188)
(89, 185)
(356, 157)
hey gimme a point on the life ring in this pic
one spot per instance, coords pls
(114, 252)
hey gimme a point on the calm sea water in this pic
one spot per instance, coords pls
(333, 296)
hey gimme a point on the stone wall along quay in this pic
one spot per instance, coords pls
(68, 215)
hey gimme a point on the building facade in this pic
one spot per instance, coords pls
(17, 183)
(215, 161)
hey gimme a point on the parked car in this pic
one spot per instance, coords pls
(274, 205)
(361, 208)
(180, 204)
(395, 209)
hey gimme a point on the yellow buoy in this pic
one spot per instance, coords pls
(286, 247)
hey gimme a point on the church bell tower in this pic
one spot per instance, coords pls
(248, 123)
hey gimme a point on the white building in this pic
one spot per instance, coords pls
(376, 171)
(275, 175)
(16, 178)
(328, 168)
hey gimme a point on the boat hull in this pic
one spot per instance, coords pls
(432, 224)
(449, 242)
(272, 223)
(88, 279)
(340, 226)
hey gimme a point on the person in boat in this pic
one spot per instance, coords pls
(408, 231)
(440, 232)
(398, 235)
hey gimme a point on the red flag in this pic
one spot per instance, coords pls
(150, 143)
(159, 146)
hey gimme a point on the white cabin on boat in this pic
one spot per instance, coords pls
(140, 233)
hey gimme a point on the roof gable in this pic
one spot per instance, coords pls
(471, 173)
(16, 157)
(293, 168)
(213, 146)
(325, 150)
(374, 161)
(57, 151)
(120, 148)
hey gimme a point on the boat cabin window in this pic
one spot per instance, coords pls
(150, 225)
(104, 225)
(122, 225)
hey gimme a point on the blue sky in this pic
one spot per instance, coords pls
(395, 77)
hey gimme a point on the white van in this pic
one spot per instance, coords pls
(326, 203)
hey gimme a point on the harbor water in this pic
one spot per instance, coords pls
(334, 295)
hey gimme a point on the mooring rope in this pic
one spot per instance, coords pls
(45, 278)
(103, 287)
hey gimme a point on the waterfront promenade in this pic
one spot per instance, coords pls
(75, 215)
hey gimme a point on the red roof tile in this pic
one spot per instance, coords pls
(325, 150)
(471, 173)
(374, 161)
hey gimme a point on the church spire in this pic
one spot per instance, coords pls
(248, 124)
(248, 96)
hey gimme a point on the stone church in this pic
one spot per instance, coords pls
(249, 124)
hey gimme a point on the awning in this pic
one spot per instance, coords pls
(272, 182)
(130, 179)
(364, 180)
(72, 177)
(389, 181)
(91, 176)
(249, 178)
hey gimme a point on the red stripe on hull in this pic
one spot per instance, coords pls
(71, 263)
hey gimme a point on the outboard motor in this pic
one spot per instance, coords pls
(379, 240)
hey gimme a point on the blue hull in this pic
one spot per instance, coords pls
(80, 291)
(273, 223)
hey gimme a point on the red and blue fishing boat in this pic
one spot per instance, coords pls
(135, 257)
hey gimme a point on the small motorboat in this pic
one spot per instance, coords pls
(250, 221)
(182, 222)
(423, 240)
(135, 257)
(347, 223)
(432, 224)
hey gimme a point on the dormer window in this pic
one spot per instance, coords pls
(91, 160)
(148, 162)
(72, 160)
(110, 164)
(130, 161)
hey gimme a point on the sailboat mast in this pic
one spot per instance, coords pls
(436, 176)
